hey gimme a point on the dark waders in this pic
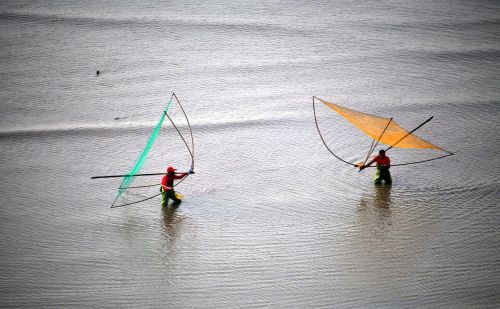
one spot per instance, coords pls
(169, 194)
(382, 174)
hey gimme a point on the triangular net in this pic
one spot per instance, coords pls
(379, 130)
(373, 126)
(164, 147)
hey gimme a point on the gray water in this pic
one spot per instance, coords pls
(270, 219)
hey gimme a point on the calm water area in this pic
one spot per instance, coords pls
(270, 219)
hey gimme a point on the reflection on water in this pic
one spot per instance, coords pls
(172, 222)
(382, 196)
(374, 211)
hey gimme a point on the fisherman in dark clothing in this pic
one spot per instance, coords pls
(167, 185)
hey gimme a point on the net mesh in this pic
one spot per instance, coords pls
(373, 126)
(127, 180)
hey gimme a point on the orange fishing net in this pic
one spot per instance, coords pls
(374, 126)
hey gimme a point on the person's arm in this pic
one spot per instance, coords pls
(362, 167)
(180, 175)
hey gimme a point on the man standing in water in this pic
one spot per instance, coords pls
(167, 185)
(383, 165)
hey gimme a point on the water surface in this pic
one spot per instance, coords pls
(270, 219)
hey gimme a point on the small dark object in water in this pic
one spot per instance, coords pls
(117, 118)
(97, 73)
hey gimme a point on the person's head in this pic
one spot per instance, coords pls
(381, 153)
(170, 169)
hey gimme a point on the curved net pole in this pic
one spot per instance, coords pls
(183, 139)
(190, 131)
(323, 140)
(148, 198)
(422, 161)
(190, 150)
(144, 186)
(373, 146)
(185, 143)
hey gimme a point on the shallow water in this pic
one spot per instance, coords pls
(270, 219)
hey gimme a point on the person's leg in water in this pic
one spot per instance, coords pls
(385, 175)
(164, 198)
(171, 195)
(378, 177)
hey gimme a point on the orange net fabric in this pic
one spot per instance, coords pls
(394, 135)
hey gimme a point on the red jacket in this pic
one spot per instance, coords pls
(167, 182)
(382, 161)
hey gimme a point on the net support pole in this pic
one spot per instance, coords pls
(129, 175)
(409, 133)
(321, 136)
(372, 148)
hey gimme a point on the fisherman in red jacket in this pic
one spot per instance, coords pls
(167, 185)
(383, 165)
